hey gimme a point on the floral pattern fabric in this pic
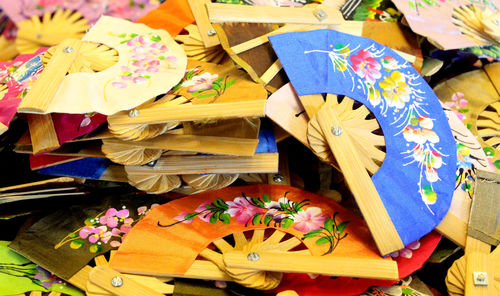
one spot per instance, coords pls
(109, 227)
(415, 182)
(284, 213)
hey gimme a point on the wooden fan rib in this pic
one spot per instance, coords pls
(488, 132)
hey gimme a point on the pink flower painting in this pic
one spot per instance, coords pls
(310, 219)
(242, 209)
(366, 66)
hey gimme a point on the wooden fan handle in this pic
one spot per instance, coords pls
(39, 97)
(104, 276)
(380, 224)
(326, 265)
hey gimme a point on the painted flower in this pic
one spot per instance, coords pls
(366, 66)
(278, 204)
(310, 219)
(458, 104)
(183, 214)
(389, 63)
(205, 216)
(46, 278)
(144, 210)
(373, 95)
(113, 217)
(395, 90)
(242, 209)
(147, 65)
(420, 130)
(138, 41)
(94, 234)
(200, 82)
(407, 252)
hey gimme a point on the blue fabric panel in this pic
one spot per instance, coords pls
(89, 167)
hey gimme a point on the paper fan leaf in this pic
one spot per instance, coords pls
(149, 63)
(420, 147)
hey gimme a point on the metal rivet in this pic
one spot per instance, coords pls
(320, 14)
(253, 256)
(38, 36)
(68, 49)
(337, 130)
(480, 278)
(211, 32)
(133, 113)
(278, 178)
(116, 281)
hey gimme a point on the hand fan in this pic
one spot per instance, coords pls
(420, 144)
(477, 272)
(435, 21)
(207, 91)
(149, 63)
(409, 260)
(50, 30)
(67, 239)
(477, 105)
(470, 158)
(19, 275)
(185, 228)
(216, 171)
(283, 107)
(229, 137)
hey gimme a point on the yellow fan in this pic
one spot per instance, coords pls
(49, 30)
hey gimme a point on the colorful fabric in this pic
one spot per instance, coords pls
(66, 240)
(172, 16)
(18, 275)
(416, 180)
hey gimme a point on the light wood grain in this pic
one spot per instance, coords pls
(42, 132)
(102, 276)
(358, 180)
(47, 84)
(165, 114)
(332, 266)
(210, 164)
(222, 13)
(201, 16)
(49, 30)
(43, 182)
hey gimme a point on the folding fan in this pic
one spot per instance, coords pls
(207, 91)
(477, 104)
(12, 76)
(149, 63)
(409, 260)
(229, 137)
(443, 25)
(470, 158)
(477, 272)
(419, 143)
(50, 30)
(278, 219)
(19, 275)
(284, 108)
(203, 172)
